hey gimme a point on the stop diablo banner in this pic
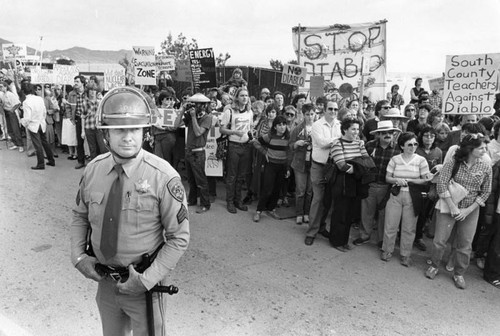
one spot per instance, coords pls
(336, 53)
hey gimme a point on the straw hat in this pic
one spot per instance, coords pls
(385, 126)
(394, 113)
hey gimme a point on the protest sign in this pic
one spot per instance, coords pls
(169, 117)
(144, 62)
(203, 68)
(165, 63)
(317, 87)
(114, 78)
(436, 84)
(213, 167)
(336, 52)
(13, 51)
(294, 75)
(65, 74)
(182, 72)
(470, 83)
(40, 76)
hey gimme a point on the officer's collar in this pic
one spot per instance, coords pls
(128, 166)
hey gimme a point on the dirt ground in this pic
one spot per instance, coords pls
(236, 278)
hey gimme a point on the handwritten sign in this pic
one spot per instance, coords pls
(294, 75)
(169, 117)
(13, 51)
(203, 68)
(436, 84)
(165, 63)
(40, 76)
(213, 167)
(317, 87)
(336, 52)
(144, 61)
(114, 78)
(470, 83)
(65, 74)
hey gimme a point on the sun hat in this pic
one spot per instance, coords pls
(385, 126)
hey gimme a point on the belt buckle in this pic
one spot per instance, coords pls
(116, 276)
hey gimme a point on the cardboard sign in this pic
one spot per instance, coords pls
(182, 72)
(436, 84)
(13, 51)
(336, 52)
(203, 68)
(213, 167)
(317, 87)
(165, 63)
(294, 75)
(144, 62)
(65, 74)
(114, 78)
(40, 76)
(169, 117)
(470, 83)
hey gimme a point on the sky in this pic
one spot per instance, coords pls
(419, 33)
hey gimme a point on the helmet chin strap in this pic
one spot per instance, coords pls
(115, 154)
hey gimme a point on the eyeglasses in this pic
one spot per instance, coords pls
(290, 114)
(386, 107)
(413, 144)
(332, 109)
(429, 136)
(387, 132)
(411, 109)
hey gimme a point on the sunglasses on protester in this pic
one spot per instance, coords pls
(332, 109)
(387, 132)
(386, 107)
(413, 144)
(290, 114)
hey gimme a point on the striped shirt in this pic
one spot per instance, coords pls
(276, 147)
(416, 168)
(344, 150)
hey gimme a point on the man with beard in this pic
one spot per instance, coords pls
(382, 149)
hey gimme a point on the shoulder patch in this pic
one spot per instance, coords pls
(176, 189)
(182, 214)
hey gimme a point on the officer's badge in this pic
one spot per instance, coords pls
(142, 186)
(176, 189)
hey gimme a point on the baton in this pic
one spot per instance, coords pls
(171, 290)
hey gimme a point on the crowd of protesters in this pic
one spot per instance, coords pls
(385, 167)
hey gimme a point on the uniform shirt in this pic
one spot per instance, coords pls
(322, 135)
(416, 168)
(194, 141)
(154, 209)
(239, 122)
(34, 113)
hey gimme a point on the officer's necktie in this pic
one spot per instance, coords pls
(111, 219)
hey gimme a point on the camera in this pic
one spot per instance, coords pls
(187, 116)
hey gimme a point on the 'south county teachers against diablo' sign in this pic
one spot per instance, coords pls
(470, 83)
(336, 53)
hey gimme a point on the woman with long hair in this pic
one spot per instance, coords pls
(471, 172)
(236, 123)
(274, 146)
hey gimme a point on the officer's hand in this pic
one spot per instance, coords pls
(87, 268)
(133, 285)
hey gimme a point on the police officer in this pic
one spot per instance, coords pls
(132, 203)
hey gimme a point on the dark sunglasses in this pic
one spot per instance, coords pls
(332, 109)
(290, 114)
(387, 132)
(386, 107)
(413, 144)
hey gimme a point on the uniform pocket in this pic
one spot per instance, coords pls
(95, 205)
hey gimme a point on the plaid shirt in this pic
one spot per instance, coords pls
(89, 115)
(80, 108)
(476, 179)
(435, 100)
(381, 157)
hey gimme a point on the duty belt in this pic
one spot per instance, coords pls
(122, 273)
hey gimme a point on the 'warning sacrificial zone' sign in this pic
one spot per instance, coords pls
(203, 68)
(294, 75)
(145, 65)
(470, 83)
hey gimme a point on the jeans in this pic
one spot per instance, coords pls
(198, 182)
(465, 231)
(80, 150)
(272, 180)
(342, 216)
(13, 128)
(399, 209)
(238, 157)
(164, 146)
(40, 142)
(318, 183)
(96, 142)
(376, 193)
(303, 192)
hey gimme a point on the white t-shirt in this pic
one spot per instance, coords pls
(239, 122)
